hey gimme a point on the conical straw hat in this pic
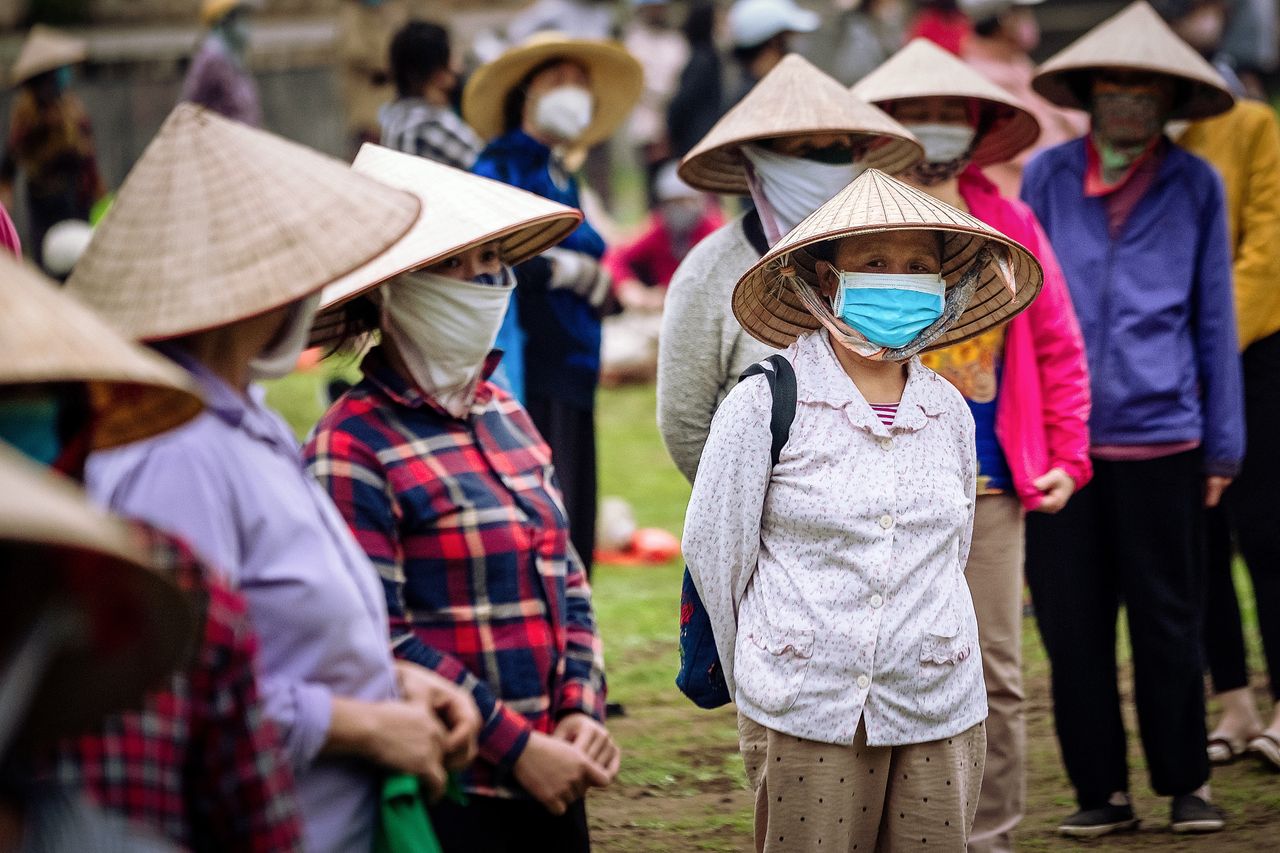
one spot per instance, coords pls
(615, 76)
(1135, 39)
(459, 211)
(771, 312)
(794, 99)
(50, 337)
(44, 50)
(48, 526)
(924, 70)
(220, 222)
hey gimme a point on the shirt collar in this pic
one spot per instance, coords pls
(1095, 185)
(823, 380)
(377, 369)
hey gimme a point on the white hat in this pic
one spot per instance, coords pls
(981, 10)
(754, 22)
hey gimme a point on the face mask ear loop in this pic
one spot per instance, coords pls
(849, 338)
(958, 298)
(767, 218)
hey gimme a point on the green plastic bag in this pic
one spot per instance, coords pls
(405, 826)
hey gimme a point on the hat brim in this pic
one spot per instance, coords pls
(1061, 85)
(1012, 129)
(614, 76)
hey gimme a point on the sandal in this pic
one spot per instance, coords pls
(1267, 746)
(1223, 750)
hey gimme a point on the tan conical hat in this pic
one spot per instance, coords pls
(924, 70)
(1135, 39)
(131, 625)
(44, 50)
(794, 99)
(50, 337)
(459, 210)
(615, 76)
(220, 222)
(772, 312)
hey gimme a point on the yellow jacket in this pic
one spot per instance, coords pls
(1244, 146)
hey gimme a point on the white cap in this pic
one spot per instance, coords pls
(981, 10)
(64, 243)
(754, 22)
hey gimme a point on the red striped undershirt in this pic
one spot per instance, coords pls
(886, 413)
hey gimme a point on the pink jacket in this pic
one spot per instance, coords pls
(1042, 418)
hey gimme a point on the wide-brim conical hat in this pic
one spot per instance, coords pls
(1135, 39)
(53, 536)
(46, 49)
(924, 70)
(875, 203)
(459, 211)
(794, 99)
(615, 76)
(51, 338)
(219, 222)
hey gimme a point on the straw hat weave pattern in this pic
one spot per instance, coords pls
(769, 309)
(219, 222)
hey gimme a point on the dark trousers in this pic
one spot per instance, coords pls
(492, 825)
(1133, 535)
(1250, 512)
(571, 434)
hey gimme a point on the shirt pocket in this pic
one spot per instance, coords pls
(769, 666)
(945, 651)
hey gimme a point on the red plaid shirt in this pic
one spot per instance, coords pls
(464, 521)
(199, 763)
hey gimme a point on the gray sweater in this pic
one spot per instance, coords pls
(703, 350)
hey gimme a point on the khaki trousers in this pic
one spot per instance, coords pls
(814, 796)
(995, 581)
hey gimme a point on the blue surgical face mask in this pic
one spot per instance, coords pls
(30, 425)
(889, 310)
(62, 78)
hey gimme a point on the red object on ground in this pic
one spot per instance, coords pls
(650, 546)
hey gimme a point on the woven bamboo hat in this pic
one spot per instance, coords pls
(924, 70)
(220, 222)
(769, 309)
(459, 211)
(46, 49)
(615, 76)
(128, 625)
(49, 337)
(794, 99)
(1135, 39)
(212, 11)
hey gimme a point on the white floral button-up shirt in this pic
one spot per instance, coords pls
(835, 581)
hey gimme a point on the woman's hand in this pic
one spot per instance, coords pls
(454, 706)
(593, 739)
(1214, 486)
(404, 736)
(1057, 488)
(556, 773)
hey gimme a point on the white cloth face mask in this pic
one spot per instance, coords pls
(444, 329)
(564, 112)
(795, 187)
(943, 143)
(281, 356)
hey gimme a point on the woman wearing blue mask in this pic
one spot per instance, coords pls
(450, 490)
(834, 578)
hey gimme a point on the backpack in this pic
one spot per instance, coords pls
(701, 677)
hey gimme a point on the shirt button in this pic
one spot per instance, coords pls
(886, 443)
(863, 682)
(876, 601)
(886, 521)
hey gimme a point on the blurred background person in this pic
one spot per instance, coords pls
(698, 100)
(219, 76)
(1005, 32)
(1244, 146)
(941, 22)
(421, 120)
(663, 53)
(761, 32)
(1251, 40)
(365, 30)
(858, 36)
(50, 137)
(587, 19)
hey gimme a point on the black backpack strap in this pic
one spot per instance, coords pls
(781, 377)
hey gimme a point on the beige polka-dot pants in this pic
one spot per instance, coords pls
(814, 796)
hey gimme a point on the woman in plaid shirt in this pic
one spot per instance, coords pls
(450, 490)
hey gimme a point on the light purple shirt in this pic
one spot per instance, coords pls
(231, 484)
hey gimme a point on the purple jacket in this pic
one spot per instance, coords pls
(1155, 304)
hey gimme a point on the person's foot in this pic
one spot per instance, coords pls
(1267, 747)
(1092, 823)
(1190, 813)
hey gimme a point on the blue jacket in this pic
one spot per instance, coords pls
(1155, 304)
(559, 329)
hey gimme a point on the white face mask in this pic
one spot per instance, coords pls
(564, 112)
(443, 329)
(281, 356)
(794, 187)
(943, 143)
